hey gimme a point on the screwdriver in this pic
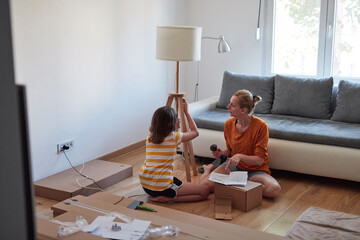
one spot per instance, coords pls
(141, 207)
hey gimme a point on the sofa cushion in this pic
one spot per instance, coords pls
(293, 128)
(213, 119)
(347, 106)
(305, 97)
(333, 99)
(258, 85)
(321, 131)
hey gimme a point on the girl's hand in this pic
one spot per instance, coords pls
(185, 105)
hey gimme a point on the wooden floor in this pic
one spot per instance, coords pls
(299, 192)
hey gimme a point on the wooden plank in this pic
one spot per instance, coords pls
(64, 184)
(189, 224)
(47, 230)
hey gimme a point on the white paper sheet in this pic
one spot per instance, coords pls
(238, 178)
(99, 221)
(102, 226)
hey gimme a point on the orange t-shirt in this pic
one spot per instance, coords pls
(252, 142)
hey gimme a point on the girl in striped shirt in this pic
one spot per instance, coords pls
(156, 175)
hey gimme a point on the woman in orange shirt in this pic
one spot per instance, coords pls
(246, 138)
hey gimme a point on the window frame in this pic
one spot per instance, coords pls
(325, 45)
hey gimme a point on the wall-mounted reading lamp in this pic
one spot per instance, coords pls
(223, 47)
(258, 23)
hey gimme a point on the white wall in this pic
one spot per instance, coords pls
(91, 74)
(237, 21)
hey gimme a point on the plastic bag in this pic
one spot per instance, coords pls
(121, 216)
(68, 228)
(153, 233)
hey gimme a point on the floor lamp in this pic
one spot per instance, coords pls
(223, 47)
(180, 43)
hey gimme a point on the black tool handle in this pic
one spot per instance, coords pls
(213, 147)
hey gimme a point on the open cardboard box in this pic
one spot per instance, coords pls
(243, 198)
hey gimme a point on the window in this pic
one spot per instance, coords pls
(314, 38)
(346, 60)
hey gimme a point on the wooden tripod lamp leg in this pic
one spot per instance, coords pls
(185, 145)
(170, 100)
(192, 158)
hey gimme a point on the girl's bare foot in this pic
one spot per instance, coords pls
(208, 168)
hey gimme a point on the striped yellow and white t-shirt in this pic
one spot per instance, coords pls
(157, 172)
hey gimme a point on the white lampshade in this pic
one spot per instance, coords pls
(178, 43)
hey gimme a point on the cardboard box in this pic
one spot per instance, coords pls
(63, 185)
(243, 198)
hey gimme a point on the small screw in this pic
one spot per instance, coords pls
(115, 227)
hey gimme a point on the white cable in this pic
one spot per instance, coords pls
(93, 188)
(83, 175)
(196, 96)
(86, 177)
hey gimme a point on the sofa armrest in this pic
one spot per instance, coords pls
(203, 105)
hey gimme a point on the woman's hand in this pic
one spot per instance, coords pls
(217, 153)
(234, 160)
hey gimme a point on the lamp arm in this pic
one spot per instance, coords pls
(223, 46)
(214, 38)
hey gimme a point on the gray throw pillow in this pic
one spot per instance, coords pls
(348, 103)
(304, 97)
(262, 86)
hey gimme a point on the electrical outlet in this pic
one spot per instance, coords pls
(60, 146)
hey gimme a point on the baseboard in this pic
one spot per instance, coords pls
(125, 150)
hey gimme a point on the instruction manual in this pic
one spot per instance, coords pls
(238, 178)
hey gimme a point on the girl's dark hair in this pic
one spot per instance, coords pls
(162, 124)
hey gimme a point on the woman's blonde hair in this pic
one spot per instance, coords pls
(247, 100)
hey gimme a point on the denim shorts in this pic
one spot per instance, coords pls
(250, 173)
(169, 192)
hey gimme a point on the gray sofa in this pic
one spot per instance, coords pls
(314, 125)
